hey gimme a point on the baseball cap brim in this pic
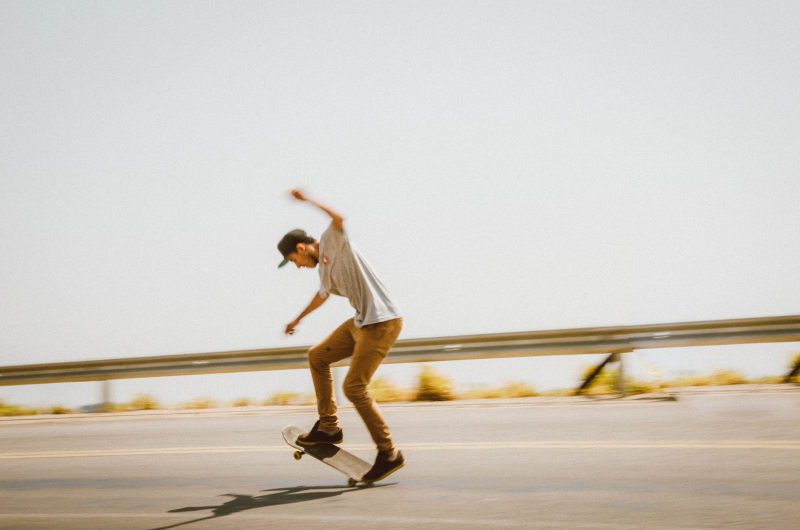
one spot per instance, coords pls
(284, 262)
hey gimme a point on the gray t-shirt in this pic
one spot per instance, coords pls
(343, 271)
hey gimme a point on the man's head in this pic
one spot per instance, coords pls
(299, 248)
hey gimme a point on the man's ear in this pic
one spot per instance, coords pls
(301, 249)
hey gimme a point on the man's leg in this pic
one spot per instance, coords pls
(337, 346)
(372, 344)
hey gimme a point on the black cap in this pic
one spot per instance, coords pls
(289, 243)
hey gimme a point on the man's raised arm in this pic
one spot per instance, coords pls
(337, 220)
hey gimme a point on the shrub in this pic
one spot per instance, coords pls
(517, 389)
(633, 386)
(142, 402)
(559, 392)
(15, 410)
(690, 380)
(720, 377)
(58, 409)
(199, 403)
(281, 398)
(290, 398)
(727, 377)
(383, 391)
(108, 407)
(432, 386)
(484, 393)
(767, 380)
(242, 402)
(510, 390)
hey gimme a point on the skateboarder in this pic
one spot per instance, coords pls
(367, 337)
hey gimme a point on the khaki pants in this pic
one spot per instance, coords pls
(368, 346)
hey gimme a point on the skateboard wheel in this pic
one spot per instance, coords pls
(351, 482)
(298, 455)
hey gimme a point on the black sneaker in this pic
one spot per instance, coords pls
(384, 466)
(316, 437)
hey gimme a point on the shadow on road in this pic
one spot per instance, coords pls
(275, 497)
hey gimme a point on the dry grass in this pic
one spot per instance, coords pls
(383, 391)
(718, 378)
(15, 410)
(199, 404)
(141, 402)
(432, 386)
(507, 391)
(290, 398)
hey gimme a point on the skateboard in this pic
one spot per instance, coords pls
(334, 456)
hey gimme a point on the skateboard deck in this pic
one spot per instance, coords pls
(334, 456)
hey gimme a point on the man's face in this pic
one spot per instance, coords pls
(304, 257)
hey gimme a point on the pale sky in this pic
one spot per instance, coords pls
(505, 166)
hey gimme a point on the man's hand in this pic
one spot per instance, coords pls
(312, 306)
(290, 327)
(336, 219)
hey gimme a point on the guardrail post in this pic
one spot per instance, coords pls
(105, 396)
(593, 375)
(619, 382)
(793, 373)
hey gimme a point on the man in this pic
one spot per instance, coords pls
(367, 337)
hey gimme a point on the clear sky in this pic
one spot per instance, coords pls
(505, 166)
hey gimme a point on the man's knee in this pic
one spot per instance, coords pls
(355, 390)
(316, 358)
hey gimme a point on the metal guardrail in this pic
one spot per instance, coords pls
(611, 340)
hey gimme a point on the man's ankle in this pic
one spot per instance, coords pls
(391, 455)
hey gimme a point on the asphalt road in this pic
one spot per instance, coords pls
(705, 461)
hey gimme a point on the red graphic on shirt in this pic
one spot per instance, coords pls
(326, 260)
